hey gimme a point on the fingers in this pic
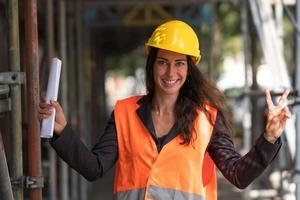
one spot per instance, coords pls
(287, 112)
(56, 105)
(43, 99)
(268, 98)
(43, 103)
(283, 98)
(46, 108)
(44, 113)
(282, 102)
(282, 117)
(278, 117)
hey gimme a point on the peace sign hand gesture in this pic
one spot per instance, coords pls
(276, 116)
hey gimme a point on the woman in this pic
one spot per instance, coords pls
(162, 143)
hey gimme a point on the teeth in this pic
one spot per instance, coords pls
(170, 81)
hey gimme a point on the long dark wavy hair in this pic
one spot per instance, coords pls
(194, 94)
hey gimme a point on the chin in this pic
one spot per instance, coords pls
(171, 92)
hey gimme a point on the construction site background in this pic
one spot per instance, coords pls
(246, 46)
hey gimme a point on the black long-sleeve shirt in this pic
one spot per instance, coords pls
(92, 164)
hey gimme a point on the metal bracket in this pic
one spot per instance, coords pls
(12, 78)
(5, 102)
(28, 182)
(33, 182)
(18, 182)
(5, 105)
(6, 79)
(4, 90)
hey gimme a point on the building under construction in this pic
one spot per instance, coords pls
(98, 38)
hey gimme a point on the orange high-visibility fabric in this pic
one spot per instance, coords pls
(177, 167)
(209, 178)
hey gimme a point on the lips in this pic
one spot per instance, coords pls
(169, 82)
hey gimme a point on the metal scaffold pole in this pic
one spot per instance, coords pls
(72, 92)
(297, 107)
(63, 170)
(5, 186)
(270, 31)
(50, 46)
(81, 86)
(16, 115)
(33, 95)
(247, 117)
(270, 42)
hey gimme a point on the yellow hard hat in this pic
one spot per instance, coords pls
(176, 36)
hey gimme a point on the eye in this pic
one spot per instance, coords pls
(161, 62)
(180, 63)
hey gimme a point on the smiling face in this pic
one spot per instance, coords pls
(169, 72)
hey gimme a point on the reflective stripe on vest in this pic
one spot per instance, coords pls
(156, 193)
(130, 194)
(173, 173)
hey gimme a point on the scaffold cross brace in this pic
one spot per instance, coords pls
(34, 182)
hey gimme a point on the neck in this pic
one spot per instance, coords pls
(163, 104)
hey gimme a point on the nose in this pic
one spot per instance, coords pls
(171, 69)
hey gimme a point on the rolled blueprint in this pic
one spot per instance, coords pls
(52, 92)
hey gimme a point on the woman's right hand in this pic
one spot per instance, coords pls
(46, 109)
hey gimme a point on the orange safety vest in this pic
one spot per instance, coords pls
(177, 172)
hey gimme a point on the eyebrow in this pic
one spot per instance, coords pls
(181, 59)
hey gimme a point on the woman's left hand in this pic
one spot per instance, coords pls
(277, 116)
